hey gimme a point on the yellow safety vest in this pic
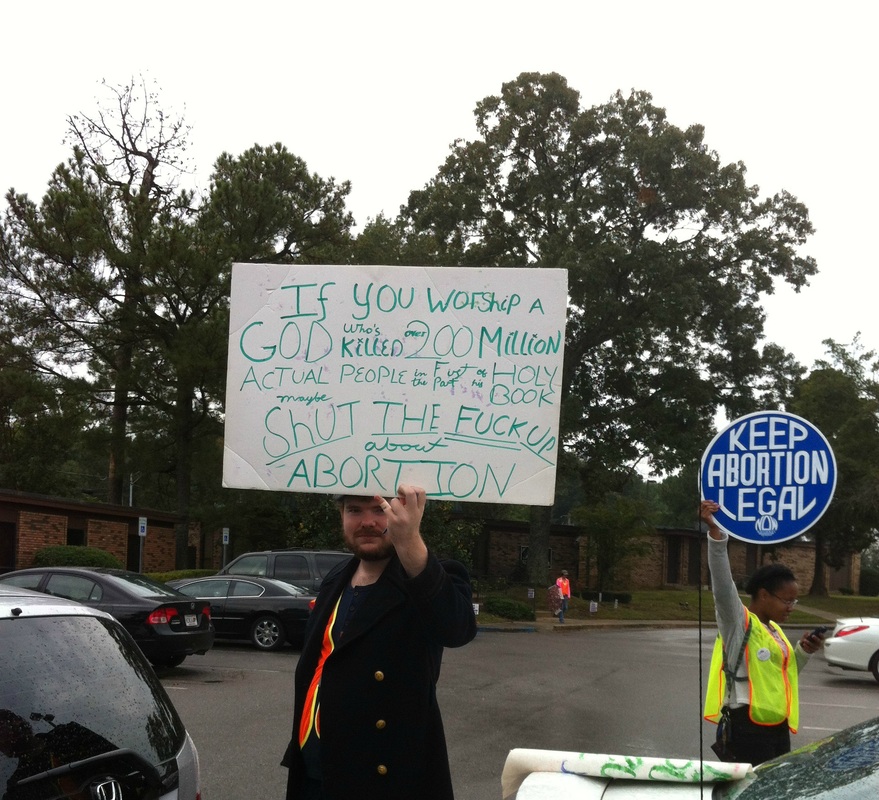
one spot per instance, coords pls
(772, 678)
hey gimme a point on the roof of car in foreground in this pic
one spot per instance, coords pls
(79, 569)
(16, 603)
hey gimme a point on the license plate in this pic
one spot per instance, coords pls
(191, 620)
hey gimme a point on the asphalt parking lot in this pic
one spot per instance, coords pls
(633, 692)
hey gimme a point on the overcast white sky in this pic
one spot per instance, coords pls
(375, 92)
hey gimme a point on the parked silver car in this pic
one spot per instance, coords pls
(82, 714)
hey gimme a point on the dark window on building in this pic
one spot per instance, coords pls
(694, 577)
(76, 537)
(523, 554)
(673, 564)
(7, 546)
(132, 556)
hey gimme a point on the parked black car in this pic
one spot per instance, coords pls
(82, 714)
(266, 611)
(305, 568)
(167, 625)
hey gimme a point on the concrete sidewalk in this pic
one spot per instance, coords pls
(552, 625)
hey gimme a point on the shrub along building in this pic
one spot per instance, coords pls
(30, 522)
(671, 558)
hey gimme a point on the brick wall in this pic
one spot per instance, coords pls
(505, 546)
(502, 543)
(565, 555)
(159, 549)
(503, 552)
(109, 536)
(36, 531)
(649, 571)
(643, 572)
(31, 522)
(848, 576)
(800, 558)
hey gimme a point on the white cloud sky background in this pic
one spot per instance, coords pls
(375, 93)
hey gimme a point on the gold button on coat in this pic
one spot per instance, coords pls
(380, 724)
(382, 769)
(379, 675)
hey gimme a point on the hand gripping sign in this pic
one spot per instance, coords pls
(773, 475)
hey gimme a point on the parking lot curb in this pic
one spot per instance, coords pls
(547, 626)
(553, 626)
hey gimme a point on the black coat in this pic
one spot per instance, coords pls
(381, 730)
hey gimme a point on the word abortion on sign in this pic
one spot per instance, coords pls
(773, 475)
(355, 379)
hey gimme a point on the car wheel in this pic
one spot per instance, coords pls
(266, 633)
(166, 662)
(874, 665)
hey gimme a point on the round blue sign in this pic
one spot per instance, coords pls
(773, 475)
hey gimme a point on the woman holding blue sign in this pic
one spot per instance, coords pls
(752, 689)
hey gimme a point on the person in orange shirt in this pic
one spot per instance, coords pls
(565, 589)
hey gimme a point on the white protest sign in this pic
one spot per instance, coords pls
(357, 379)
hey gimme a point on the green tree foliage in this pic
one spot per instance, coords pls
(120, 276)
(616, 529)
(43, 431)
(109, 277)
(668, 251)
(82, 268)
(841, 398)
(265, 206)
(677, 498)
(869, 582)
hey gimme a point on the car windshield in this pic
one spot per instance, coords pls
(142, 585)
(75, 687)
(844, 766)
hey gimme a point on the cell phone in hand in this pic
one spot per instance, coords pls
(819, 631)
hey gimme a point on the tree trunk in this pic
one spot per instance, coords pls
(119, 428)
(819, 576)
(183, 472)
(538, 545)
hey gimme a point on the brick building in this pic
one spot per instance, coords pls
(503, 546)
(676, 557)
(29, 522)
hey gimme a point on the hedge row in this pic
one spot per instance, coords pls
(508, 609)
(64, 555)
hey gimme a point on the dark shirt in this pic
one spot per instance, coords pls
(352, 599)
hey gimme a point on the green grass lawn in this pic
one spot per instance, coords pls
(673, 604)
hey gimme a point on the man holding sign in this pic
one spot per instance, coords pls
(366, 722)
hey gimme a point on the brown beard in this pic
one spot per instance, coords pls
(379, 554)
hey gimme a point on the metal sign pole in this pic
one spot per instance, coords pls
(141, 532)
